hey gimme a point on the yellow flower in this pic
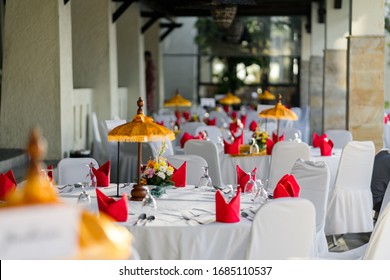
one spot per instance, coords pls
(156, 166)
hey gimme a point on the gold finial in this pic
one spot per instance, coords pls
(36, 149)
(140, 104)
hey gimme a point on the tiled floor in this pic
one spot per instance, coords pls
(348, 241)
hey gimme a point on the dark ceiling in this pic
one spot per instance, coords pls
(245, 7)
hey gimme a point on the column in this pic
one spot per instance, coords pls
(316, 66)
(365, 78)
(305, 63)
(37, 79)
(152, 44)
(131, 65)
(95, 54)
(335, 66)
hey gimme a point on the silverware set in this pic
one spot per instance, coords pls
(143, 219)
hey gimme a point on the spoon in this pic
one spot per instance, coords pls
(141, 217)
(246, 215)
(149, 219)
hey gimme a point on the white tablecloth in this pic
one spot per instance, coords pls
(247, 163)
(170, 236)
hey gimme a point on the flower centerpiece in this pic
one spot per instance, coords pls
(157, 172)
(261, 137)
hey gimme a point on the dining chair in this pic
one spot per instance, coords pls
(283, 229)
(350, 200)
(151, 149)
(284, 155)
(209, 151)
(99, 150)
(74, 170)
(213, 132)
(377, 247)
(222, 118)
(313, 179)
(189, 127)
(290, 133)
(339, 137)
(195, 166)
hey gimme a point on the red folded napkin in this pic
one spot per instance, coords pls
(160, 123)
(186, 136)
(7, 185)
(102, 174)
(317, 139)
(275, 137)
(243, 178)
(270, 144)
(227, 212)
(326, 147)
(186, 115)
(211, 121)
(253, 126)
(287, 187)
(179, 176)
(243, 120)
(234, 115)
(232, 148)
(226, 108)
(116, 209)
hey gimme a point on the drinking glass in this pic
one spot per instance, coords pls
(261, 196)
(84, 199)
(149, 203)
(250, 186)
(205, 181)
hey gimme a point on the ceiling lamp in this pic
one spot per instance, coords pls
(224, 15)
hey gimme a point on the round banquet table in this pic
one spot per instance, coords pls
(172, 237)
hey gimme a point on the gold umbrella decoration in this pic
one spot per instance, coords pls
(177, 101)
(230, 99)
(278, 112)
(140, 129)
(266, 95)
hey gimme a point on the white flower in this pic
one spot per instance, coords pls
(161, 175)
(163, 168)
(169, 172)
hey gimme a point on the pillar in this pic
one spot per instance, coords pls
(131, 65)
(37, 80)
(365, 78)
(95, 54)
(316, 66)
(335, 66)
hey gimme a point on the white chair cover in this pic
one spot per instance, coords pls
(350, 200)
(222, 119)
(284, 155)
(151, 149)
(99, 148)
(282, 229)
(168, 120)
(209, 151)
(313, 179)
(290, 133)
(339, 137)
(189, 127)
(377, 247)
(269, 126)
(194, 166)
(74, 170)
(213, 132)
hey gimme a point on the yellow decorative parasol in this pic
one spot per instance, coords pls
(266, 95)
(141, 129)
(177, 101)
(230, 99)
(278, 112)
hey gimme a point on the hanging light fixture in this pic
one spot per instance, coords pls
(223, 15)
